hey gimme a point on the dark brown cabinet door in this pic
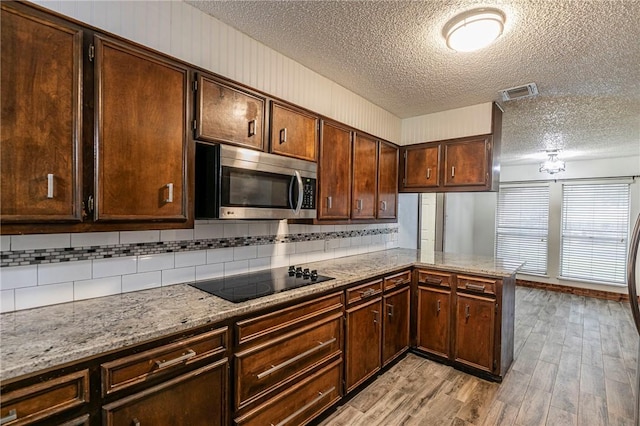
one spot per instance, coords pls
(230, 115)
(475, 331)
(141, 135)
(421, 167)
(434, 324)
(466, 162)
(365, 163)
(193, 399)
(294, 133)
(387, 181)
(396, 324)
(41, 120)
(364, 340)
(334, 169)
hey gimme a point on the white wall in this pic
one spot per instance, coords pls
(408, 220)
(184, 32)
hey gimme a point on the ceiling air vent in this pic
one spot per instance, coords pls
(520, 92)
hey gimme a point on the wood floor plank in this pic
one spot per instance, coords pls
(592, 380)
(558, 417)
(344, 416)
(534, 408)
(544, 376)
(620, 398)
(513, 388)
(592, 354)
(592, 410)
(612, 370)
(551, 352)
(566, 393)
(477, 405)
(501, 414)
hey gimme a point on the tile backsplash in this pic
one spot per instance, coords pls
(39, 270)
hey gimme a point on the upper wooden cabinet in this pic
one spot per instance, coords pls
(41, 124)
(421, 166)
(387, 181)
(464, 164)
(294, 132)
(365, 161)
(334, 172)
(228, 114)
(141, 134)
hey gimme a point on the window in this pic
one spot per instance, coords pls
(595, 226)
(522, 223)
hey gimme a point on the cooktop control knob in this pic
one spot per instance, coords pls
(298, 272)
(292, 270)
(314, 275)
(306, 274)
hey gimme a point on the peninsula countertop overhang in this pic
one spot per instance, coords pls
(45, 337)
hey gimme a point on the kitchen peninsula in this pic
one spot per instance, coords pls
(475, 296)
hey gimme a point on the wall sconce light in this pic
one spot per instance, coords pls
(552, 165)
(474, 29)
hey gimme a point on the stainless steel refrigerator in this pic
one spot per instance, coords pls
(632, 276)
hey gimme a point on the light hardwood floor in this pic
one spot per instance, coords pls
(575, 361)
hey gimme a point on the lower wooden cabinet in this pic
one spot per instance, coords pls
(300, 403)
(434, 324)
(45, 401)
(475, 324)
(396, 324)
(196, 398)
(363, 341)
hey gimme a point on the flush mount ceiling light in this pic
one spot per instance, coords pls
(474, 29)
(553, 165)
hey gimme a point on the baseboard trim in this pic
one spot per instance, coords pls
(587, 292)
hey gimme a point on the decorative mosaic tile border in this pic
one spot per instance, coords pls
(68, 254)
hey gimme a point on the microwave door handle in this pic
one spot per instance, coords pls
(300, 192)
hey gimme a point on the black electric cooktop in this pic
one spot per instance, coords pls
(240, 288)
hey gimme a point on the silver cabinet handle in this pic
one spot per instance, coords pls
(169, 198)
(367, 293)
(50, 185)
(429, 173)
(296, 358)
(358, 204)
(13, 415)
(438, 307)
(389, 310)
(383, 206)
(135, 422)
(283, 135)
(184, 357)
(453, 171)
(252, 128)
(375, 316)
(437, 281)
(466, 312)
(305, 407)
(474, 287)
(329, 202)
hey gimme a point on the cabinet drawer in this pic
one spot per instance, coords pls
(435, 278)
(299, 404)
(32, 403)
(279, 322)
(274, 364)
(363, 292)
(476, 284)
(195, 398)
(131, 370)
(397, 280)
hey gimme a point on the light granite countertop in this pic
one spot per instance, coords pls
(40, 338)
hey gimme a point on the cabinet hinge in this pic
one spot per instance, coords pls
(496, 308)
(404, 181)
(194, 124)
(92, 52)
(495, 364)
(195, 85)
(405, 155)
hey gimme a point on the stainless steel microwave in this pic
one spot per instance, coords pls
(239, 183)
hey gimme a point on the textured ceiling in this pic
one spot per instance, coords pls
(583, 55)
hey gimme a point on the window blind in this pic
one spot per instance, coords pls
(595, 227)
(522, 226)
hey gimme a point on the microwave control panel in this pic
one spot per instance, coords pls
(308, 194)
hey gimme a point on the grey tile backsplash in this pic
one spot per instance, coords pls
(39, 270)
